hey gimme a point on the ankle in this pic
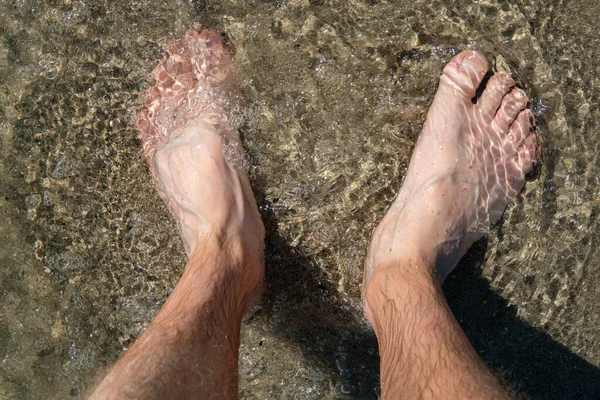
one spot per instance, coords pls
(430, 227)
(221, 267)
(395, 288)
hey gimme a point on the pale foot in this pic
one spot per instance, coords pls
(195, 157)
(469, 163)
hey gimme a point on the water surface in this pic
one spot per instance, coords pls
(332, 96)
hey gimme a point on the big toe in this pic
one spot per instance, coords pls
(464, 73)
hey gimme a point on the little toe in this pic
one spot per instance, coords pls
(153, 99)
(512, 104)
(464, 73)
(142, 124)
(146, 133)
(515, 178)
(528, 154)
(520, 128)
(497, 87)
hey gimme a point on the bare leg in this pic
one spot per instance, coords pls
(190, 350)
(469, 163)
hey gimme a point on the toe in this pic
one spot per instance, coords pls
(142, 124)
(497, 87)
(515, 178)
(512, 104)
(528, 154)
(153, 98)
(464, 73)
(212, 38)
(178, 67)
(164, 82)
(182, 74)
(521, 127)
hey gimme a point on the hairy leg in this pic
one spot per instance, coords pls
(424, 352)
(190, 350)
(469, 163)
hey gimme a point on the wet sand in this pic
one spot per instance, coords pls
(332, 96)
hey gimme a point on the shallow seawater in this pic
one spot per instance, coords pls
(332, 96)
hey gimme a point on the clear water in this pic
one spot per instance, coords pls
(334, 94)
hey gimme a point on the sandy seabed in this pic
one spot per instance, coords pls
(332, 96)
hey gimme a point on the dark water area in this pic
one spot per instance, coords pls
(332, 96)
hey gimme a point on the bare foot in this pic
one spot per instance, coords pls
(195, 157)
(469, 163)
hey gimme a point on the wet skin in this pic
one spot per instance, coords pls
(470, 161)
(190, 350)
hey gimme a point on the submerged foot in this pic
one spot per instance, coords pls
(195, 157)
(469, 163)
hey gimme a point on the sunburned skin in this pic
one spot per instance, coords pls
(470, 161)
